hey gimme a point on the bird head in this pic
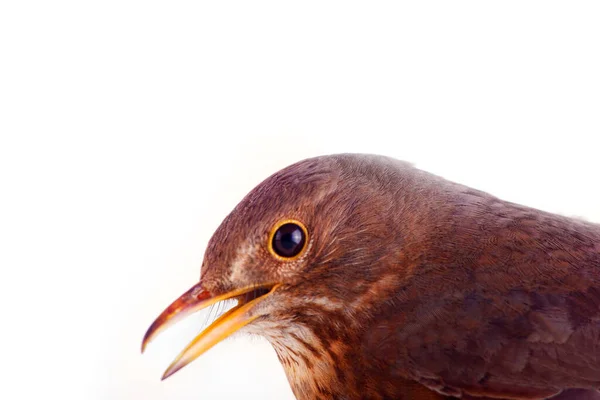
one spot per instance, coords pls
(373, 279)
(306, 255)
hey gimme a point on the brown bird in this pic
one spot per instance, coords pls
(375, 280)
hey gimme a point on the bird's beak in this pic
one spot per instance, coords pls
(198, 298)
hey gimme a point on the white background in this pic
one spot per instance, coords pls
(130, 129)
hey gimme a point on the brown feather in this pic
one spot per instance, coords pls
(415, 287)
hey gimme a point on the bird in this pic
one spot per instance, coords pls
(374, 279)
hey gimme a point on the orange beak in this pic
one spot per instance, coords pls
(196, 299)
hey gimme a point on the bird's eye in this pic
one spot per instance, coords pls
(288, 239)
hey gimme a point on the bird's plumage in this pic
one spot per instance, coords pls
(415, 287)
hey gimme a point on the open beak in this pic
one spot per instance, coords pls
(197, 299)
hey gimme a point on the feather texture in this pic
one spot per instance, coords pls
(415, 287)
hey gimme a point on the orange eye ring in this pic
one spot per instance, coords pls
(300, 247)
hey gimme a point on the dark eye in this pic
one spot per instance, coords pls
(288, 240)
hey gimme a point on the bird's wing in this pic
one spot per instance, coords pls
(494, 299)
(518, 316)
(517, 345)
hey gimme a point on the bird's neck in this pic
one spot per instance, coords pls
(313, 366)
(317, 367)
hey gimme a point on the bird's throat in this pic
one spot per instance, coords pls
(313, 370)
(336, 373)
